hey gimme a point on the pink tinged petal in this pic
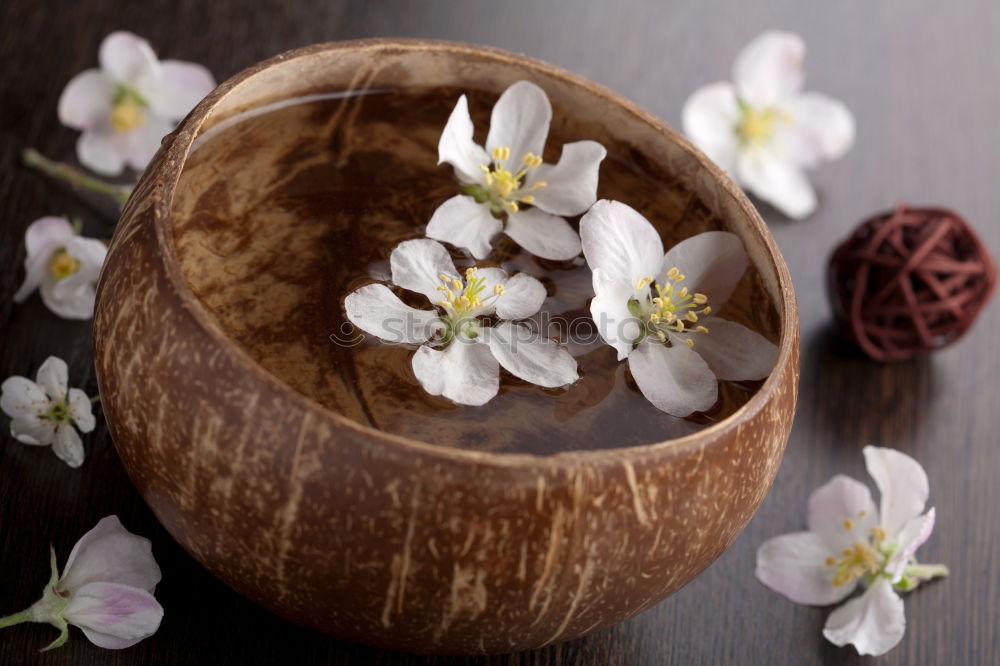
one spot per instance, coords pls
(543, 235)
(778, 182)
(874, 622)
(101, 150)
(795, 565)
(32, 430)
(842, 499)
(609, 308)
(463, 222)
(770, 69)
(87, 99)
(22, 397)
(710, 117)
(675, 379)
(712, 263)
(526, 354)
(126, 57)
(457, 148)
(902, 484)
(418, 264)
(520, 122)
(81, 408)
(67, 445)
(912, 536)
(177, 88)
(47, 234)
(523, 296)
(465, 372)
(142, 142)
(377, 311)
(620, 243)
(571, 184)
(821, 129)
(53, 376)
(114, 616)
(733, 351)
(70, 298)
(110, 553)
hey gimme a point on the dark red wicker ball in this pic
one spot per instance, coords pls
(909, 282)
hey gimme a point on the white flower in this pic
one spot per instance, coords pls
(63, 266)
(509, 175)
(763, 130)
(675, 344)
(48, 412)
(462, 351)
(127, 105)
(106, 590)
(849, 541)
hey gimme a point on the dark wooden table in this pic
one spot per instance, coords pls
(921, 78)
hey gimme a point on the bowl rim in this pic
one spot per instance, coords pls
(170, 163)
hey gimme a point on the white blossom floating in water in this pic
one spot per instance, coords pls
(106, 589)
(509, 178)
(660, 311)
(46, 412)
(63, 266)
(764, 130)
(850, 542)
(125, 107)
(462, 343)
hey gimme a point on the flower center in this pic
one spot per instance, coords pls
(127, 110)
(505, 189)
(463, 301)
(59, 412)
(63, 264)
(670, 308)
(756, 126)
(863, 558)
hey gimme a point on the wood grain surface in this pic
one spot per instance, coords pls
(921, 79)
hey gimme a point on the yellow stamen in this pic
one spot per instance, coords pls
(848, 524)
(499, 290)
(878, 533)
(63, 264)
(127, 115)
(689, 342)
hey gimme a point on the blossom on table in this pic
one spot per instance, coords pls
(851, 542)
(763, 129)
(63, 266)
(660, 311)
(509, 178)
(472, 333)
(106, 589)
(126, 106)
(46, 412)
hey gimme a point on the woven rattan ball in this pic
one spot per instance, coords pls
(909, 282)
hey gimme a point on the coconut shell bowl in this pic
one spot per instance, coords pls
(231, 404)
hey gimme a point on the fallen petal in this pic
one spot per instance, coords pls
(874, 622)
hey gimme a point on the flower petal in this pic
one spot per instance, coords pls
(87, 99)
(770, 68)
(457, 148)
(53, 376)
(177, 89)
(465, 372)
(142, 142)
(70, 298)
(463, 222)
(543, 235)
(91, 254)
(733, 351)
(114, 616)
(43, 237)
(609, 309)
(522, 297)
(780, 183)
(902, 484)
(418, 264)
(520, 121)
(874, 622)
(101, 150)
(709, 118)
(620, 242)
(67, 445)
(712, 262)
(127, 57)
(377, 311)
(675, 379)
(913, 535)
(822, 129)
(841, 512)
(22, 397)
(110, 553)
(526, 354)
(571, 184)
(795, 565)
(81, 408)
(33, 430)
